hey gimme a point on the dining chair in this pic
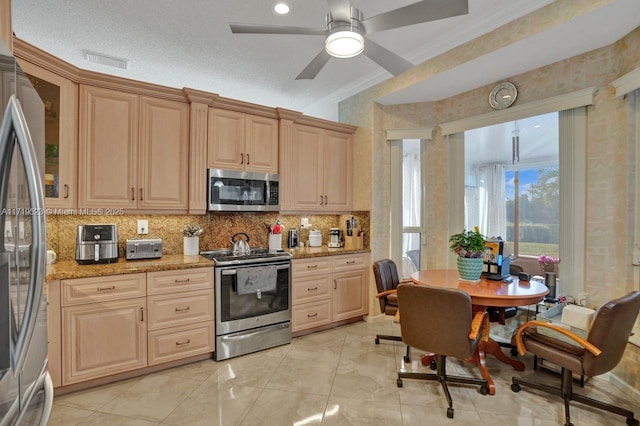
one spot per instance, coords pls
(387, 281)
(599, 353)
(440, 320)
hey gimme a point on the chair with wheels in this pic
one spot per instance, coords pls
(599, 353)
(440, 320)
(386, 275)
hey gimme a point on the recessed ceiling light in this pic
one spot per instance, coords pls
(281, 8)
(537, 126)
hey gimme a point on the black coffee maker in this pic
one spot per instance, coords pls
(292, 238)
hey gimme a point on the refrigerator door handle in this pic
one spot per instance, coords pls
(14, 122)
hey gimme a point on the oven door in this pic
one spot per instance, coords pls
(236, 311)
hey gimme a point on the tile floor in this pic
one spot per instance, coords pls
(335, 377)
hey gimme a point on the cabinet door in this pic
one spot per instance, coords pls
(226, 135)
(108, 153)
(261, 144)
(337, 166)
(306, 172)
(349, 295)
(163, 181)
(100, 339)
(60, 98)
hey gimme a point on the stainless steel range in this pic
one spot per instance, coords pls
(253, 301)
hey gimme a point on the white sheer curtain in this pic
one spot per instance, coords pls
(411, 207)
(488, 212)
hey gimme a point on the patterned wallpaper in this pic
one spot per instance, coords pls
(609, 170)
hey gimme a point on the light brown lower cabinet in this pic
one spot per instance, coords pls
(328, 290)
(119, 323)
(100, 339)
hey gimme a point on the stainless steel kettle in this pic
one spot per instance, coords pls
(240, 246)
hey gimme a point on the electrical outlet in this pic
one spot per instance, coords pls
(143, 226)
(304, 223)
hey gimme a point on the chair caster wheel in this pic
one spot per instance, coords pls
(484, 390)
(399, 383)
(377, 341)
(433, 364)
(514, 351)
(450, 413)
(407, 359)
(632, 422)
(515, 387)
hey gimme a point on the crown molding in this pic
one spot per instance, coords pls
(627, 83)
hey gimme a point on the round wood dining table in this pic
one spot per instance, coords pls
(483, 294)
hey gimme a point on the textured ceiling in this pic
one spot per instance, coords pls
(181, 43)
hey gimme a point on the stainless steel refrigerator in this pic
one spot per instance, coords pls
(26, 391)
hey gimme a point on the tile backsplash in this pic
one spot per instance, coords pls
(218, 229)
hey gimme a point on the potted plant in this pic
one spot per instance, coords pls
(469, 246)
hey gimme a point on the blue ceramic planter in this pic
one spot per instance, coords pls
(470, 268)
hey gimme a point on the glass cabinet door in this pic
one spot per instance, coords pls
(60, 98)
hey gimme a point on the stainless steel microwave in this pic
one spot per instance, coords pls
(243, 191)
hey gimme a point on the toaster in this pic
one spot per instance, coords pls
(143, 248)
(97, 244)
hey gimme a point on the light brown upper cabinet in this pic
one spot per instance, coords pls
(243, 142)
(60, 98)
(319, 174)
(133, 151)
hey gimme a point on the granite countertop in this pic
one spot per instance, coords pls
(71, 269)
(306, 252)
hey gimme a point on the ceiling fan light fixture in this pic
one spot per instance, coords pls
(281, 8)
(344, 44)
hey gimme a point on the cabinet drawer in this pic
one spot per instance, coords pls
(311, 289)
(349, 262)
(314, 266)
(179, 280)
(99, 289)
(310, 315)
(180, 342)
(172, 310)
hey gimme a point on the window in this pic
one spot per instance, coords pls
(411, 206)
(512, 183)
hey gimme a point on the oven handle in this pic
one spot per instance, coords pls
(235, 271)
(247, 335)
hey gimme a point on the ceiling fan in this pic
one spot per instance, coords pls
(346, 29)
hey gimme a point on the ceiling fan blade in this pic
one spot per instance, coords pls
(274, 29)
(340, 10)
(314, 67)
(386, 58)
(416, 13)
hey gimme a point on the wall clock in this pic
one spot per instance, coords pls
(503, 95)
